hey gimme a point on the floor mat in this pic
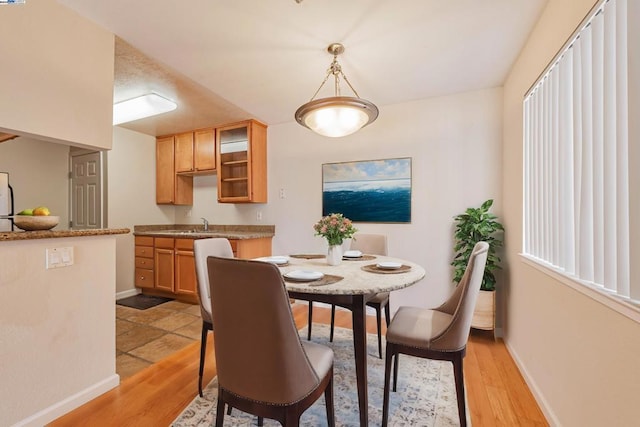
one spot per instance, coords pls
(142, 302)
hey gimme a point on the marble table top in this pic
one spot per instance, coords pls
(356, 280)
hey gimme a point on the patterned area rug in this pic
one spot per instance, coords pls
(426, 393)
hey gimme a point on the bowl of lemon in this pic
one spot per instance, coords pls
(36, 219)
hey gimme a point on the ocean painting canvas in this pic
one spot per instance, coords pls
(368, 191)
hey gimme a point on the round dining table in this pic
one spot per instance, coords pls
(350, 284)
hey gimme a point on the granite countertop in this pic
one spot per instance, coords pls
(196, 231)
(52, 234)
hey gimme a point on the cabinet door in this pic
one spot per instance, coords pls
(204, 156)
(164, 269)
(185, 273)
(165, 173)
(184, 152)
(242, 162)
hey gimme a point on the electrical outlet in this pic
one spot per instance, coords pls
(282, 193)
(259, 215)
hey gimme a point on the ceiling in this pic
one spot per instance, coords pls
(227, 60)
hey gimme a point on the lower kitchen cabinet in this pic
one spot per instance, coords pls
(165, 266)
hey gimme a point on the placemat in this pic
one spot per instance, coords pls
(362, 258)
(327, 279)
(372, 268)
(307, 256)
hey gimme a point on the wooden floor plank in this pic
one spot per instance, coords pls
(157, 395)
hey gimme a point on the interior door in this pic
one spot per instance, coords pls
(86, 191)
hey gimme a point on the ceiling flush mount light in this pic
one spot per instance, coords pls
(337, 115)
(143, 106)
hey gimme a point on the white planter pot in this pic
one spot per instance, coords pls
(334, 256)
(484, 315)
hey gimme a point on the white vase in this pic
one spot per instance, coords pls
(334, 256)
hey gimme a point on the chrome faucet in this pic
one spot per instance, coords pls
(206, 224)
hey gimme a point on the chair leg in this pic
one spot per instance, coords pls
(387, 314)
(260, 421)
(310, 319)
(328, 400)
(333, 319)
(379, 323)
(387, 379)
(220, 410)
(459, 378)
(203, 350)
(395, 371)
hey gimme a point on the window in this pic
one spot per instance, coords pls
(577, 158)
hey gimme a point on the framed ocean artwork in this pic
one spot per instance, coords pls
(368, 191)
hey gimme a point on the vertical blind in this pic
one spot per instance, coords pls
(576, 175)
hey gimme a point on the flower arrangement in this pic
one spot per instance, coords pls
(335, 228)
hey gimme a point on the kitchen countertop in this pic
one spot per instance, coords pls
(51, 234)
(196, 231)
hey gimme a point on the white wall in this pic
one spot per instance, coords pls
(455, 143)
(56, 77)
(132, 196)
(39, 175)
(57, 328)
(579, 357)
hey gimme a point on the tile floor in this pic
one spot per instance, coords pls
(144, 337)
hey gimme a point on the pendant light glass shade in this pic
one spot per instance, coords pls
(336, 116)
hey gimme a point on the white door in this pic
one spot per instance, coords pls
(86, 191)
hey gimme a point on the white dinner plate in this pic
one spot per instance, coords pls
(352, 254)
(277, 260)
(304, 275)
(389, 265)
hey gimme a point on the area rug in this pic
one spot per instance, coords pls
(426, 393)
(142, 302)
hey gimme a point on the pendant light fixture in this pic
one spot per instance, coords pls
(336, 116)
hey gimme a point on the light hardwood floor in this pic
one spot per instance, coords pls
(496, 392)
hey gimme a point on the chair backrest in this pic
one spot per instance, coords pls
(375, 244)
(203, 248)
(258, 351)
(462, 302)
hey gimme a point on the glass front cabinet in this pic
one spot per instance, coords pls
(242, 162)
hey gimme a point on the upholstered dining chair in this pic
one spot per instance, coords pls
(373, 244)
(440, 333)
(263, 367)
(203, 248)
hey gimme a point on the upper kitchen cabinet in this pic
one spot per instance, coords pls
(171, 188)
(242, 162)
(196, 152)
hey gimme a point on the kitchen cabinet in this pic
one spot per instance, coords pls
(242, 162)
(171, 188)
(175, 269)
(195, 152)
(144, 276)
(165, 266)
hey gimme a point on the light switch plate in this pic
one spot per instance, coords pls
(59, 257)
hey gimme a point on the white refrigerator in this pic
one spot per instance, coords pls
(6, 203)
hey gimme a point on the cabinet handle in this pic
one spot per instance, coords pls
(141, 277)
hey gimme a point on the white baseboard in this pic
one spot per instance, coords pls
(537, 394)
(70, 403)
(129, 293)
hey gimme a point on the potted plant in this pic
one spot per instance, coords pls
(474, 225)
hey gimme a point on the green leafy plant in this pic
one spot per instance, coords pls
(474, 225)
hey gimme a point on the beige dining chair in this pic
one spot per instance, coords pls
(440, 333)
(263, 367)
(203, 248)
(372, 244)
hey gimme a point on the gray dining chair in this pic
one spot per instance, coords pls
(440, 333)
(203, 248)
(372, 244)
(264, 368)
